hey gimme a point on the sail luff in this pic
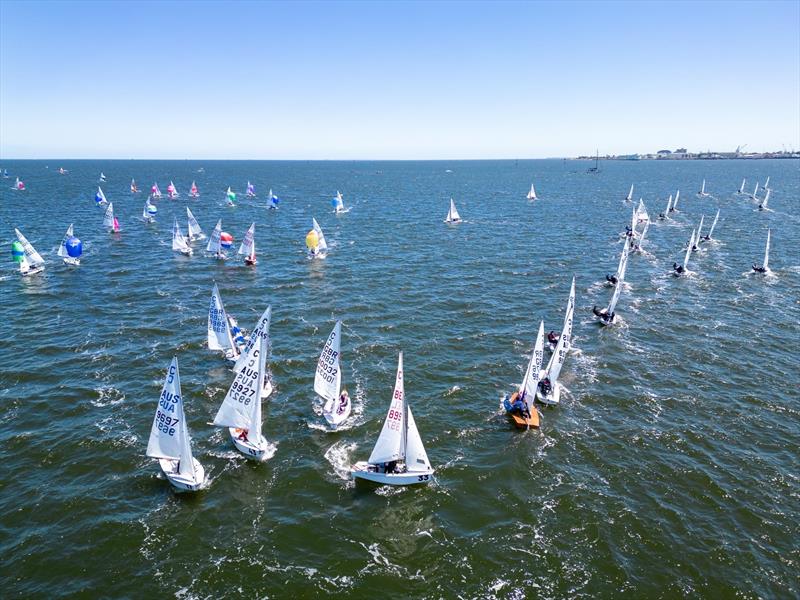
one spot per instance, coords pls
(688, 251)
(33, 256)
(766, 251)
(388, 446)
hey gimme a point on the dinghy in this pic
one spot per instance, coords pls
(702, 193)
(100, 197)
(766, 184)
(741, 188)
(629, 197)
(637, 247)
(214, 245)
(608, 316)
(641, 213)
(696, 243)
(193, 227)
(251, 191)
(707, 237)
(315, 241)
(30, 261)
(149, 212)
(194, 192)
(675, 204)
(134, 189)
(398, 457)
(155, 192)
(248, 246)
(109, 220)
(763, 205)
(5, 174)
(179, 243)
(220, 333)
(272, 201)
(231, 197)
(338, 204)
(261, 330)
(102, 177)
(531, 194)
(754, 195)
(621, 267)
(328, 380)
(62, 171)
(549, 389)
(169, 437)
(677, 269)
(764, 268)
(240, 411)
(665, 215)
(19, 185)
(172, 191)
(70, 249)
(452, 214)
(519, 405)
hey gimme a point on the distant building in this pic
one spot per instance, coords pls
(664, 152)
(680, 151)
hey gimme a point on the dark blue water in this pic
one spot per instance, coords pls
(669, 469)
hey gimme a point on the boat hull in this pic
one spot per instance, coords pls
(256, 450)
(520, 421)
(185, 484)
(551, 399)
(367, 472)
(32, 271)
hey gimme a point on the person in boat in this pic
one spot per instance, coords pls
(758, 269)
(552, 337)
(546, 386)
(518, 405)
(611, 279)
(250, 260)
(344, 398)
(242, 435)
(236, 333)
(598, 312)
(678, 268)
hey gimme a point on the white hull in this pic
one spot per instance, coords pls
(553, 398)
(185, 251)
(255, 450)
(363, 470)
(180, 482)
(603, 321)
(72, 262)
(338, 415)
(32, 271)
(319, 255)
(196, 238)
(452, 220)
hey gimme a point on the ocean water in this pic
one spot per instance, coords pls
(670, 468)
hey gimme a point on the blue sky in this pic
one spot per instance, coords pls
(404, 80)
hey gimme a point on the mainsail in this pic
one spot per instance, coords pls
(391, 444)
(219, 333)
(328, 377)
(322, 244)
(214, 241)
(247, 247)
(33, 257)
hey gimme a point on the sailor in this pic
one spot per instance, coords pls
(552, 337)
(344, 398)
(598, 312)
(242, 435)
(518, 405)
(758, 269)
(546, 386)
(236, 333)
(678, 268)
(611, 279)
(608, 318)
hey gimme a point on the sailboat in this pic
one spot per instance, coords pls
(675, 204)
(240, 411)
(398, 457)
(328, 380)
(764, 268)
(248, 246)
(519, 405)
(663, 216)
(193, 227)
(62, 171)
(100, 197)
(766, 183)
(637, 247)
(169, 436)
(707, 237)
(617, 277)
(261, 330)
(338, 204)
(608, 316)
(629, 197)
(172, 191)
(452, 214)
(531, 194)
(149, 212)
(110, 222)
(763, 204)
(702, 193)
(214, 242)
(754, 195)
(179, 243)
(677, 269)
(134, 189)
(102, 177)
(220, 336)
(155, 192)
(272, 200)
(596, 167)
(231, 197)
(19, 185)
(71, 248)
(697, 236)
(741, 188)
(30, 261)
(315, 241)
(641, 213)
(251, 191)
(549, 390)
(194, 192)
(5, 174)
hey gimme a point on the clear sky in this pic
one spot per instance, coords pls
(383, 80)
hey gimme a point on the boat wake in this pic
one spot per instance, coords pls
(338, 455)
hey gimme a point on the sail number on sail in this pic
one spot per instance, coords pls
(216, 317)
(328, 364)
(168, 403)
(244, 386)
(395, 416)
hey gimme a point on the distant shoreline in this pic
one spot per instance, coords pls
(696, 156)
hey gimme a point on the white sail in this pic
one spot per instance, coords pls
(241, 407)
(688, 251)
(531, 381)
(34, 258)
(415, 456)
(108, 217)
(271, 198)
(703, 188)
(623, 263)
(247, 247)
(62, 249)
(452, 214)
(699, 229)
(213, 241)
(633, 221)
(169, 435)
(145, 211)
(193, 227)
(338, 202)
(755, 192)
(179, 243)
(219, 333)
(641, 212)
(100, 197)
(714, 224)
(675, 204)
(532, 193)
(765, 200)
(669, 205)
(741, 188)
(560, 353)
(766, 184)
(766, 251)
(629, 197)
(261, 330)
(644, 233)
(612, 305)
(391, 443)
(328, 377)
(322, 245)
